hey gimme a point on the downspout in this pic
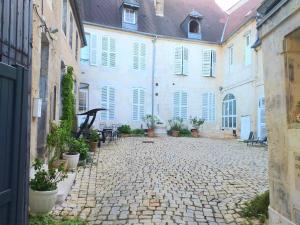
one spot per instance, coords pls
(153, 73)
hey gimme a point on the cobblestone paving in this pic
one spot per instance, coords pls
(171, 181)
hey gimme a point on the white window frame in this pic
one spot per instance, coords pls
(83, 88)
(139, 56)
(109, 52)
(210, 66)
(248, 50)
(182, 57)
(182, 108)
(64, 17)
(210, 108)
(110, 113)
(229, 102)
(139, 105)
(129, 19)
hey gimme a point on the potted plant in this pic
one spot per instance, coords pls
(43, 188)
(125, 130)
(93, 140)
(175, 126)
(196, 123)
(151, 122)
(83, 149)
(73, 154)
(56, 144)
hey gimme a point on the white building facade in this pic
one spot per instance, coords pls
(134, 73)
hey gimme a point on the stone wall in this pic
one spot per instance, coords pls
(59, 51)
(284, 140)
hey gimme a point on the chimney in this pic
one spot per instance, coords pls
(159, 7)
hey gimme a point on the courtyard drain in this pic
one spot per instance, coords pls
(148, 142)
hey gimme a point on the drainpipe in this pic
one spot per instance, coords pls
(153, 73)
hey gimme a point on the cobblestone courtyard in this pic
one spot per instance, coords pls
(171, 181)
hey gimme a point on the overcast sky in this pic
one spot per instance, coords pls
(226, 4)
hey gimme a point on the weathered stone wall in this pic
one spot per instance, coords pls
(283, 140)
(59, 51)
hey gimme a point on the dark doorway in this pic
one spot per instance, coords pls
(13, 142)
(43, 92)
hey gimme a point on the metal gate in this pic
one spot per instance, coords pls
(13, 145)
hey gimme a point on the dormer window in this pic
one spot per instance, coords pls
(129, 16)
(192, 25)
(129, 11)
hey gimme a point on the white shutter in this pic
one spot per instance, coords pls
(213, 62)
(212, 107)
(206, 63)
(205, 106)
(104, 103)
(143, 56)
(105, 51)
(111, 103)
(185, 61)
(184, 106)
(135, 105)
(112, 52)
(178, 60)
(176, 105)
(93, 50)
(136, 56)
(141, 104)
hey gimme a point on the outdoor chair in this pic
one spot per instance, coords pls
(262, 142)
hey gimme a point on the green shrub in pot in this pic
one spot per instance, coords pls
(93, 139)
(43, 188)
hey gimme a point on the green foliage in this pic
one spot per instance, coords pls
(49, 220)
(57, 141)
(176, 124)
(46, 180)
(78, 146)
(184, 132)
(197, 122)
(257, 208)
(138, 132)
(151, 121)
(93, 136)
(124, 129)
(68, 100)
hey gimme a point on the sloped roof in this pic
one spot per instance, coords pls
(240, 16)
(107, 13)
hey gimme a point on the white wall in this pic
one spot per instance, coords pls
(124, 78)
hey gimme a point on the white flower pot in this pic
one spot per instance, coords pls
(72, 160)
(42, 202)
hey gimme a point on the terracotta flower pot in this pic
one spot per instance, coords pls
(175, 133)
(151, 133)
(58, 163)
(195, 133)
(93, 146)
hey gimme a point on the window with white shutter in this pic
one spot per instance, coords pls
(139, 56)
(108, 102)
(208, 107)
(209, 60)
(83, 97)
(180, 104)
(181, 60)
(93, 50)
(248, 50)
(138, 106)
(109, 52)
(85, 51)
(229, 112)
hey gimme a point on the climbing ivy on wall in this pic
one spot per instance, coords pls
(68, 100)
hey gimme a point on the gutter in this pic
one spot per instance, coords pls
(76, 13)
(153, 74)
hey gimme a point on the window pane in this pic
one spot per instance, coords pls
(230, 121)
(226, 121)
(234, 122)
(234, 107)
(230, 108)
